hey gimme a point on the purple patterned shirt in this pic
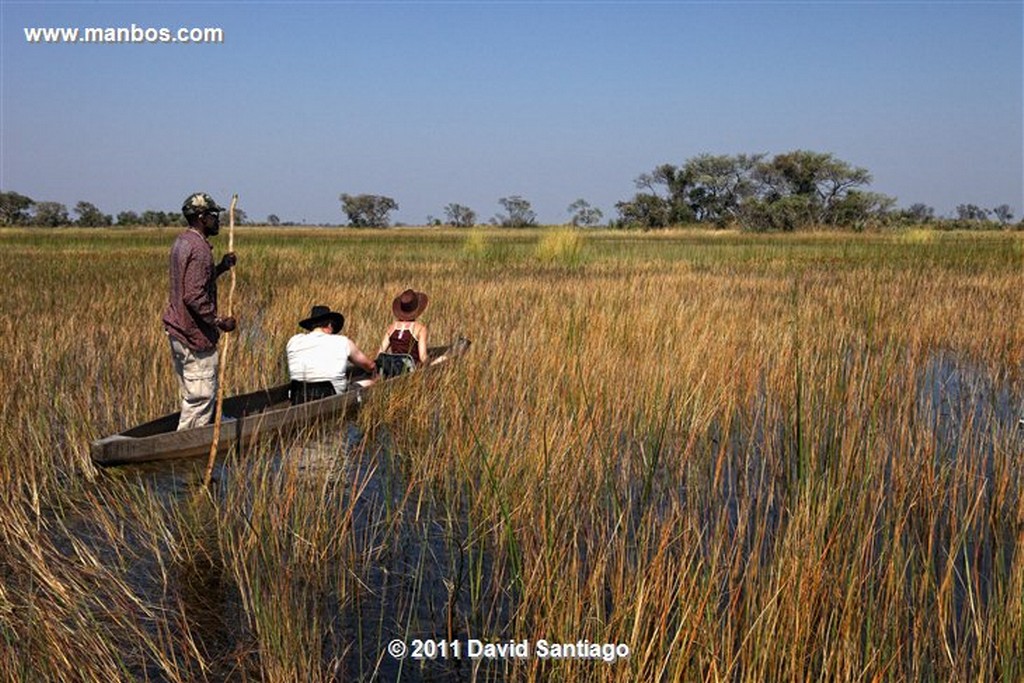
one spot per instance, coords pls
(191, 312)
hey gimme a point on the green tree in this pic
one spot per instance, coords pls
(151, 217)
(161, 218)
(805, 189)
(718, 184)
(51, 215)
(918, 213)
(819, 178)
(128, 218)
(666, 189)
(860, 210)
(91, 217)
(367, 210)
(971, 212)
(519, 212)
(583, 214)
(784, 214)
(1003, 213)
(460, 216)
(645, 211)
(787, 192)
(273, 220)
(14, 208)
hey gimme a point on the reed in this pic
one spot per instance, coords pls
(746, 457)
(562, 245)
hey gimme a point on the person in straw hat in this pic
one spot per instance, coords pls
(405, 337)
(318, 360)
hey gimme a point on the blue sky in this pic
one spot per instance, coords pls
(439, 102)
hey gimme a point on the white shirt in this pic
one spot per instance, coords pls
(319, 357)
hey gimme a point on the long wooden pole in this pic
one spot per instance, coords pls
(223, 353)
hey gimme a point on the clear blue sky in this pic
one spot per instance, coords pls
(438, 102)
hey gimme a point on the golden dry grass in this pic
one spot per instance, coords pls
(746, 457)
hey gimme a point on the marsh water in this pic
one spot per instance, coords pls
(417, 558)
(412, 556)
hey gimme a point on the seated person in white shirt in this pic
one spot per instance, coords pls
(318, 359)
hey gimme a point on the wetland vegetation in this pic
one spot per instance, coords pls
(746, 457)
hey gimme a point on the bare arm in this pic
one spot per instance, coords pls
(386, 341)
(423, 344)
(360, 359)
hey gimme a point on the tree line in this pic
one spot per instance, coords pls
(787, 192)
(17, 209)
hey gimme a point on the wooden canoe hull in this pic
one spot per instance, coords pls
(246, 418)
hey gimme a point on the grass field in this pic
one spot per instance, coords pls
(747, 458)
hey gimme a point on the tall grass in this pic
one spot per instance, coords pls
(561, 245)
(746, 457)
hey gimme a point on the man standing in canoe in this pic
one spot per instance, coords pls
(191, 319)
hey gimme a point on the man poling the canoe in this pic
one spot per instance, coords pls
(192, 310)
(191, 320)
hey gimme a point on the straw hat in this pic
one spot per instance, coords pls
(408, 305)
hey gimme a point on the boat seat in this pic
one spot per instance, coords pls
(300, 392)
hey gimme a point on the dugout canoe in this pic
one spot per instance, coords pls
(246, 418)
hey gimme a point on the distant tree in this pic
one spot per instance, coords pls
(820, 178)
(51, 215)
(583, 214)
(860, 210)
(91, 217)
(241, 217)
(128, 218)
(1003, 213)
(519, 212)
(971, 212)
(367, 210)
(818, 175)
(784, 214)
(14, 208)
(919, 213)
(645, 211)
(666, 181)
(716, 185)
(273, 220)
(459, 216)
(806, 189)
(150, 217)
(161, 218)
(786, 192)
(663, 198)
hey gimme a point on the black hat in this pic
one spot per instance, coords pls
(320, 315)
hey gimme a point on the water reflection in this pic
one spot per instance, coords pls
(957, 397)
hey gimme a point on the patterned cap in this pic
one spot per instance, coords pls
(200, 203)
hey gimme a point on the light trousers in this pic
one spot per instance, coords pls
(197, 381)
